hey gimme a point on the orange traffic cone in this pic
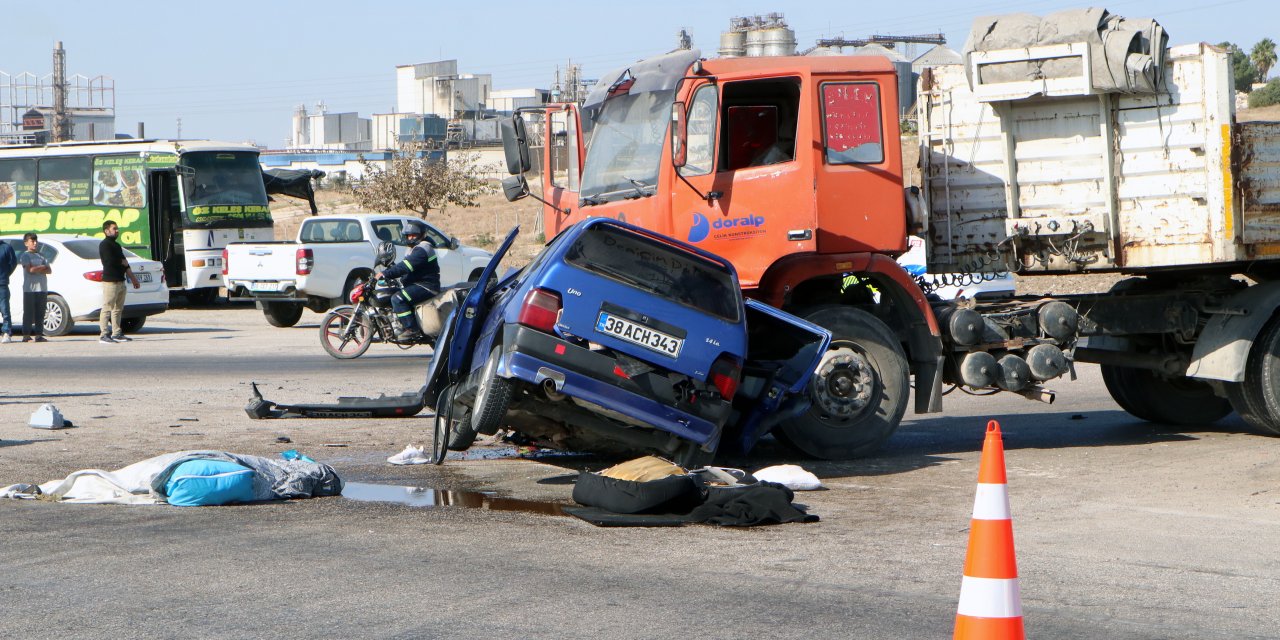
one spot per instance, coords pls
(990, 603)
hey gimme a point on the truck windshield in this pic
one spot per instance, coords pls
(626, 146)
(223, 187)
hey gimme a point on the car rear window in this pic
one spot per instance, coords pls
(331, 231)
(657, 268)
(87, 249)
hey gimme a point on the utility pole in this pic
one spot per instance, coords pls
(61, 123)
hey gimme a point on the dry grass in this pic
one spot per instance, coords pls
(1269, 114)
(483, 226)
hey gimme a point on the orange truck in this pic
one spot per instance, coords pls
(792, 168)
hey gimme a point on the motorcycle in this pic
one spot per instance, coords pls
(347, 331)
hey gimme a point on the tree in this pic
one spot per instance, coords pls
(1241, 68)
(414, 182)
(1265, 96)
(1263, 57)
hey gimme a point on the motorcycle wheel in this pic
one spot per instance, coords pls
(340, 338)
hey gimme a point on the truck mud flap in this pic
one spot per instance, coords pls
(383, 406)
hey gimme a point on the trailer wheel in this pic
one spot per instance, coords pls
(1257, 397)
(859, 392)
(1149, 396)
(282, 314)
(493, 396)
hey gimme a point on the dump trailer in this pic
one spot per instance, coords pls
(791, 167)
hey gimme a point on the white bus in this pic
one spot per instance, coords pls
(178, 202)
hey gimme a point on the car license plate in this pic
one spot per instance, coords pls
(144, 277)
(624, 329)
(264, 286)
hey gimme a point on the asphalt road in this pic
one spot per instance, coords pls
(1123, 529)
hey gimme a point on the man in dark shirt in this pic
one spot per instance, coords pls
(115, 268)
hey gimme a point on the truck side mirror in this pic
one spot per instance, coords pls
(515, 145)
(679, 135)
(515, 188)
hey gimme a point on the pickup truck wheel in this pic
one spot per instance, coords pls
(858, 393)
(342, 340)
(1178, 401)
(57, 317)
(282, 314)
(493, 396)
(132, 325)
(1257, 397)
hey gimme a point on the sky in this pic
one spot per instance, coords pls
(235, 70)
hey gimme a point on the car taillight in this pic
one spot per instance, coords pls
(540, 310)
(95, 276)
(356, 293)
(224, 262)
(306, 260)
(725, 374)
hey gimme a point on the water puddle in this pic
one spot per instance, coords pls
(424, 497)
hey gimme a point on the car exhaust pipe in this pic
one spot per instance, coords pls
(551, 382)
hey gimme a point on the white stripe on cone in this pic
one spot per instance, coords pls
(991, 502)
(990, 598)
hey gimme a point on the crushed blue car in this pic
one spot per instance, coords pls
(616, 339)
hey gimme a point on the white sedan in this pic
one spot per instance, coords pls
(75, 289)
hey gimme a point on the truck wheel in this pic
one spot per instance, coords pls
(57, 317)
(132, 325)
(859, 391)
(1257, 397)
(334, 335)
(1149, 396)
(282, 314)
(493, 396)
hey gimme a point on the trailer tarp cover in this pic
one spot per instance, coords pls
(1127, 55)
(294, 183)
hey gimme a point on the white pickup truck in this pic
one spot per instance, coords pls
(318, 270)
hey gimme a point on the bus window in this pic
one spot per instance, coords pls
(223, 178)
(17, 183)
(64, 181)
(118, 181)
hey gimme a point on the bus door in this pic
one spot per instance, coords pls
(166, 231)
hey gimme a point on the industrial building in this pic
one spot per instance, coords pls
(324, 131)
(54, 107)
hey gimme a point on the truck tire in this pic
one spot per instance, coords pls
(859, 392)
(493, 396)
(1178, 401)
(282, 314)
(1257, 397)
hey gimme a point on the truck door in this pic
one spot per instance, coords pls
(745, 191)
(166, 234)
(562, 155)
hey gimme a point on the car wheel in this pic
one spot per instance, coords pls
(493, 396)
(132, 325)
(282, 314)
(57, 317)
(859, 392)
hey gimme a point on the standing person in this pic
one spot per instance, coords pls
(35, 289)
(8, 262)
(115, 268)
